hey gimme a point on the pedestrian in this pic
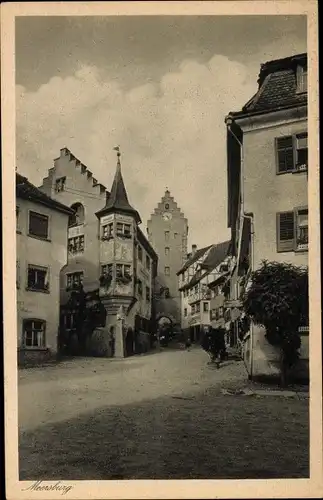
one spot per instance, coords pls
(188, 342)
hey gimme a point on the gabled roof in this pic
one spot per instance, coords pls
(213, 259)
(27, 191)
(277, 86)
(216, 255)
(196, 256)
(118, 199)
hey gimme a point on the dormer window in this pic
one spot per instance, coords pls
(301, 79)
(166, 206)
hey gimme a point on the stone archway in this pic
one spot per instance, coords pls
(165, 328)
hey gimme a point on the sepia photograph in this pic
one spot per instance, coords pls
(161, 169)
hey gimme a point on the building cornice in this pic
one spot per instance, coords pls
(273, 118)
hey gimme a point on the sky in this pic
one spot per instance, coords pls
(158, 86)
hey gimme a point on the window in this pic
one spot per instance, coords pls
(167, 271)
(198, 307)
(292, 153)
(205, 306)
(220, 312)
(301, 152)
(167, 250)
(292, 230)
(140, 253)
(78, 217)
(147, 293)
(123, 230)
(185, 311)
(196, 289)
(74, 279)
(107, 231)
(301, 77)
(127, 270)
(166, 293)
(38, 225)
(175, 235)
(123, 271)
(76, 244)
(37, 278)
(34, 333)
(302, 229)
(166, 206)
(107, 269)
(60, 184)
(147, 262)
(139, 284)
(193, 308)
(166, 235)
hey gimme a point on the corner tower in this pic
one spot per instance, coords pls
(118, 222)
(167, 231)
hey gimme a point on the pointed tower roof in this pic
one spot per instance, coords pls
(118, 199)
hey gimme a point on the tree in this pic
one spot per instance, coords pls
(278, 300)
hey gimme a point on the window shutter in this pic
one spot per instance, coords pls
(285, 231)
(285, 154)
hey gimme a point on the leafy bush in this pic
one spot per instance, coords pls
(278, 300)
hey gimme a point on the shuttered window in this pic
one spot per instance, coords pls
(38, 225)
(285, 231)
(285, 154)
(292, 153)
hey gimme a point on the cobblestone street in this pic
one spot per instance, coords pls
(156, 416)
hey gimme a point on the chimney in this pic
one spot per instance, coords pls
(194, 248)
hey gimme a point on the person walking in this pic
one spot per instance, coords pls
(188, 342)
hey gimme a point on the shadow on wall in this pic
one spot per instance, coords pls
(265, 358)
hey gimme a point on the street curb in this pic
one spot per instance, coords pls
(264, 393)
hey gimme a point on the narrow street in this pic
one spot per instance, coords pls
(160, 415)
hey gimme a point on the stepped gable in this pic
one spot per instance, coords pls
(167, 198)
(118, 199)
(98, 187)
(26, 190)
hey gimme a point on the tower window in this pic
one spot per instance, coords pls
(60, 184)
(167, 250)
(107, 231)
(78, 216)
(107, 269)
(166, 206)
(76, 244)
(123, 230)
(166, 235)
(167, 271)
